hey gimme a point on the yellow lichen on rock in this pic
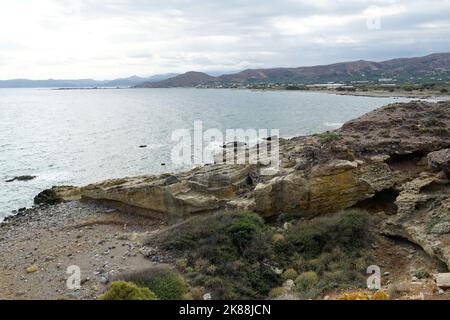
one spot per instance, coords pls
(361, 295)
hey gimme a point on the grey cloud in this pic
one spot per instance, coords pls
(177, 35)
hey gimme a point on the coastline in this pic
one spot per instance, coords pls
(420, 95)
(103, 227)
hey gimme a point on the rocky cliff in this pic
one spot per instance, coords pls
(394, 159)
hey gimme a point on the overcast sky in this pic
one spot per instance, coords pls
(105, 39)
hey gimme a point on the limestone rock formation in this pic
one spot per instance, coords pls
(384, 151)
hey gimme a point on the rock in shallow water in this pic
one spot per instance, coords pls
(21, 178)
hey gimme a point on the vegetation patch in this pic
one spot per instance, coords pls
(239, 256)
(166, 283)
(327, 137)
(421, 274)
(121, 290)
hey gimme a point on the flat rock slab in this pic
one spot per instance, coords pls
(21, 178)
(443, 280)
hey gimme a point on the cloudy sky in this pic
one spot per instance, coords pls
(105, 39)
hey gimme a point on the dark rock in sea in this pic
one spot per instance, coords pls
(21, 178)
(234, 144)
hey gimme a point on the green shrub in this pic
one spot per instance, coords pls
(244, 229)
(306, 281)
(289, 274)
(165, 282)
(327, 137)
(122, 290)
(277, 292)
(234, 244)
(421, 274)
(235, 256)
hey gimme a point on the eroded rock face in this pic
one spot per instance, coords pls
(330, 187)
(423, 215)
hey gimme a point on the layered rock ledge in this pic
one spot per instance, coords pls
(394, 159)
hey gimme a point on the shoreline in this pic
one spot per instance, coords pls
(430, 96)
(371, 94)
(103, 227)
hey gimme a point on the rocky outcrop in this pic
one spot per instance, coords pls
(401, 149)
(58, 194)
(201, 190)
(329, 187)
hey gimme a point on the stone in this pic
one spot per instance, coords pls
(440, 160)
(443, 280)
(207, 297)
(104, 280)
(289, 284)
(170, 180)
(32, 269)
(21, 178)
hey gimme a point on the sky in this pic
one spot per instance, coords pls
(106, 39)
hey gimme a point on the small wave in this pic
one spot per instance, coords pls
(334, 124)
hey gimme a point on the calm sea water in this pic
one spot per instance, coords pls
(82, 136)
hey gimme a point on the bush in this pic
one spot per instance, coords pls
(421, 274)
(235, 256)
(327, 137)
(122, 290)
(277, 292)
(331, 247)
(230, 251)
(290, 274)
(166, 283)
(244, 229)
(443, 90)
(306, 281)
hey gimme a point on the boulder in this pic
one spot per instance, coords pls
(440, 160)
(443, 280)
(58, 194)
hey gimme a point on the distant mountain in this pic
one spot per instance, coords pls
(431, 67)
(188, 79)
(82, 83)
